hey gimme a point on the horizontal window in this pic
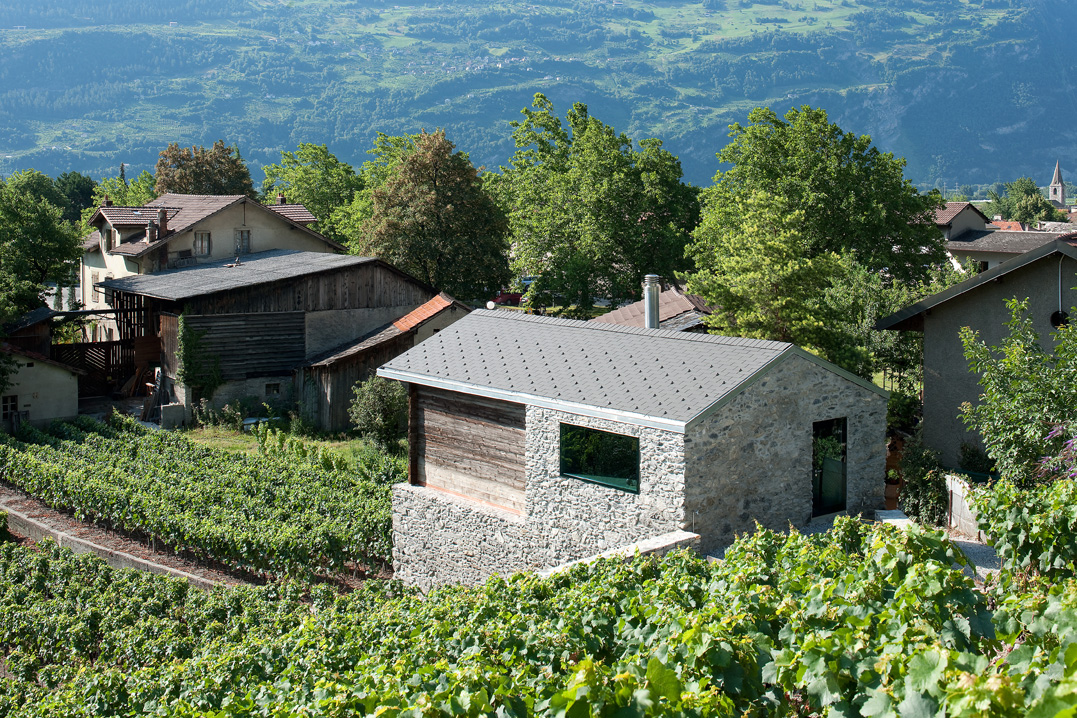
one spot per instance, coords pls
(601, 457)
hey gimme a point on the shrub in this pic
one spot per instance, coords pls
(973, 458)
(378, 409)
(923, 498)
(903, 412)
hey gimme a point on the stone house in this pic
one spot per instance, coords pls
(182, 230)
(1044, 276)
(535, 441)
(263, 322)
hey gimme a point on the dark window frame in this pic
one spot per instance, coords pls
(629, 484)
(205, 239)
(9, 406)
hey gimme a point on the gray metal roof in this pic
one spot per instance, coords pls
(911, 317)
(653, 377)
(1000, 240)
(212, 277)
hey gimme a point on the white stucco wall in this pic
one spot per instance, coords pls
(45, 390)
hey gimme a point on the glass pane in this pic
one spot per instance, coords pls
(600, 456)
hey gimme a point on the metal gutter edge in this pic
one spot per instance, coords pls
(624, 417)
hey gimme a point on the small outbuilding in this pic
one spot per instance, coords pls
(535, 441)
(39, 391)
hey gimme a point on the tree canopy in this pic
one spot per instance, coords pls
(855, 199)
(590, 215)
(1021, 201)
(314, 177)
(196, 170)
(433, 219)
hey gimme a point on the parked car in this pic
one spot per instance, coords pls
(507, 298)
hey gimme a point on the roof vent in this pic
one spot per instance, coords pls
(650, 301)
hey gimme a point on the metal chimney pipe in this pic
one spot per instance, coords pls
(650, 301)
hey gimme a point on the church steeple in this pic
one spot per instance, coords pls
(1057, 190)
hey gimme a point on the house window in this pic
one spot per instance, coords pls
(829, 442)
(95, 277)
(243, 241)
(9, 406)
(201, 244)
(600, 457)
(983, 265)
(273, 389)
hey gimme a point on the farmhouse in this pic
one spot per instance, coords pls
(1044, 276)
(535, 441)
(252, 325)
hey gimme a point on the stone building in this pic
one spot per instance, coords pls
(535, 441)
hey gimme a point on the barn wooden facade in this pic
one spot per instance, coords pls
(266, 318)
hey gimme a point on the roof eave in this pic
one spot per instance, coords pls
(624, 417)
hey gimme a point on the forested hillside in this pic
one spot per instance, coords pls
(970, 91)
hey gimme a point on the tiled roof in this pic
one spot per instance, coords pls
(946, 215)
(136, 216)
(35, 316)
(26, 353)
(252, 270)
(296, 212)
(672, 304)
(420, 314)
(1007, 225)
(1001, 241)
(91, 241)
(652, 377)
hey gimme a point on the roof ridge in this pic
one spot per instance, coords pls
(622, 329)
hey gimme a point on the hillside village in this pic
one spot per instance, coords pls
(674, 449)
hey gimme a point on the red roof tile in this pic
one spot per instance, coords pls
(295, 212)
(417, 316)
(946, 215)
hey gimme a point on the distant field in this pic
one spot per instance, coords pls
(78, 93)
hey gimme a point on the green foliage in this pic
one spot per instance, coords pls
(275, 515)
(5, 535)
(433, 219)
(1033, 530)
(764, 281)
(314, 177)
(590, 215)
(923, 498)
(377, 409)
(77, 190)
(1022, 201)
(866, 620)
(855, 199)
(903, 412)
(198, 368)
(197, 170)
(122, 193)
(973, 458)
(1027, 391)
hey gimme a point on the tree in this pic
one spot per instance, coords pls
(218, 170)
(434, 220)
(314, 177)
(855, 198)
(1027, 393)
(589, 214)
(78, 191)
(1021, 201)
(377, 409)
(766, 285)
(348, 221)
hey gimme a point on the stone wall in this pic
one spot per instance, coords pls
(752, 460)
(439, 537)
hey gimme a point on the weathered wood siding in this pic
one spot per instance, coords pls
(327, 390)
(252, 345)
(169, 344)
(470, 445)
(358, 287)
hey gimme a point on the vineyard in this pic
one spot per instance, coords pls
(281, 513)
(865, 620)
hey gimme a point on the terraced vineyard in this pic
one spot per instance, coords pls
(272, 514)
(865, 620)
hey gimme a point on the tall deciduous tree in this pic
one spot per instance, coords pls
(590, 215)
(434, 220)
(764, 283)
(348, 222)
(218, 170)
(855, 198)
(78, 191)
(314, 177)
(1021, 201)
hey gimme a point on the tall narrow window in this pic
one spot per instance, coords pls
(828, 466)
(201, 244)
(600, 457)
(243, 241)
(9, 406)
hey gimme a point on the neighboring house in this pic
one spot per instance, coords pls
(676, 310)
(39, 391)
(1044, 275)
(181, 230)
(970, 237)
(534, 441)
(263, 318)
